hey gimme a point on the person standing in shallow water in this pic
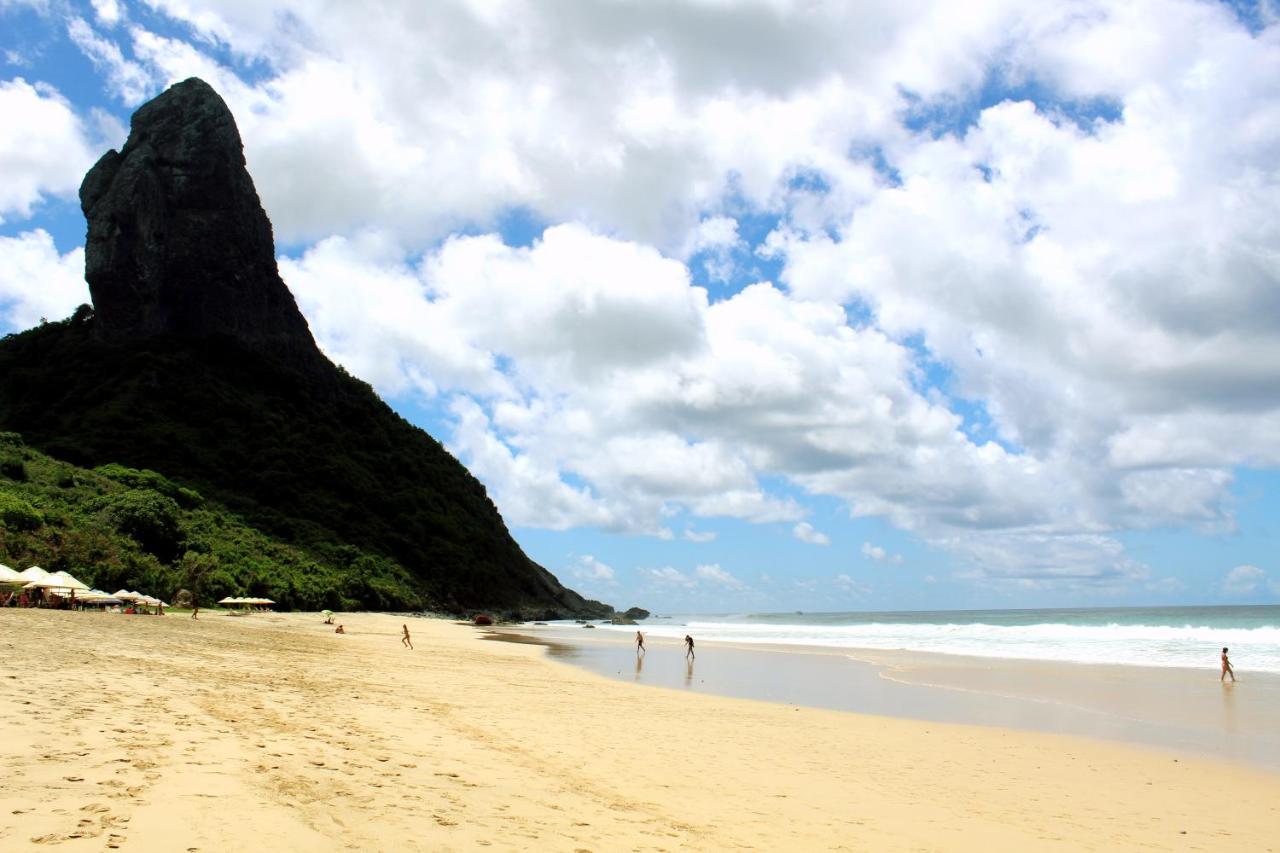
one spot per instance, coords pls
(688, 647)
(405, 641)
(639, 643)
(1226, 667)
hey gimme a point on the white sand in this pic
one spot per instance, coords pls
(272, 733)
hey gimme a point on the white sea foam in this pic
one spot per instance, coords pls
(1252, 649)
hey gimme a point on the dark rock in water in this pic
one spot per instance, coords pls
(588, 626)
(622, 620)
(636, 613)
(178, 241)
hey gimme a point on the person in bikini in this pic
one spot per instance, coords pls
(405, 641)
(1226, 667)
(639, 644)
(688, 647)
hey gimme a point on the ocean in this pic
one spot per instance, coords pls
(1139, 636)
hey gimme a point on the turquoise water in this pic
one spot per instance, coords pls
(1140, 636)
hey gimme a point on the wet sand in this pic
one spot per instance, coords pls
(1180, 710)
(272, 733)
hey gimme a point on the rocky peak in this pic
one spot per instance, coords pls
(178, 241)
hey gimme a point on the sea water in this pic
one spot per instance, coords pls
(1141, 636)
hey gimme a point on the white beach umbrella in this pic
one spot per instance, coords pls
(34, 573)
(66, 581)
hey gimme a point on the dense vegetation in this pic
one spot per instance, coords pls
(314, 491)
(116, 527)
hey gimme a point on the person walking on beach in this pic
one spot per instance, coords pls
(195, 610)
(639, 644)
(1226, 667)
(688, 647)
(405, 641)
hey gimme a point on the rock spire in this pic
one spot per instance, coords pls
(178, 242)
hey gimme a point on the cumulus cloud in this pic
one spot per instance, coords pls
(848, 584)
(1244, 580)
(108, 12)
(44, 147)
(712, 573)
(668, 576)
(880, 555)
(805, 532)
(588, 568)
(37, 282)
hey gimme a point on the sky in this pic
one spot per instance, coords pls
(755, 305)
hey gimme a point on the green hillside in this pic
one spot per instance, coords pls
(116, 527)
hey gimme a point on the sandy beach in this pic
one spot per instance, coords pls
(269, 732)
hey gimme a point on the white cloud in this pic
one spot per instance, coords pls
(1243, 580)
(670, 577)
(712, 573)
(715, 238)
(880, 555)
(700, 536)
(805, 532)
(36, 282)
(527, 491)
(108, 12)
(128, 80)
(847, 584)
(43, 147)
(588, 568)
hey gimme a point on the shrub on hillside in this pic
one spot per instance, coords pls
(136, 478)
(14, 468)
(149, 518)
(16, 514)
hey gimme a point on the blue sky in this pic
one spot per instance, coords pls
(920, 308)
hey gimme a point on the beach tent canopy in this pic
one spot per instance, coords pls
(62, 580)
(97, 596)
(34, 573)
(54, 583)
(9, 576)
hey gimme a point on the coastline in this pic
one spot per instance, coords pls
(270, 732)
(1182, 711)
